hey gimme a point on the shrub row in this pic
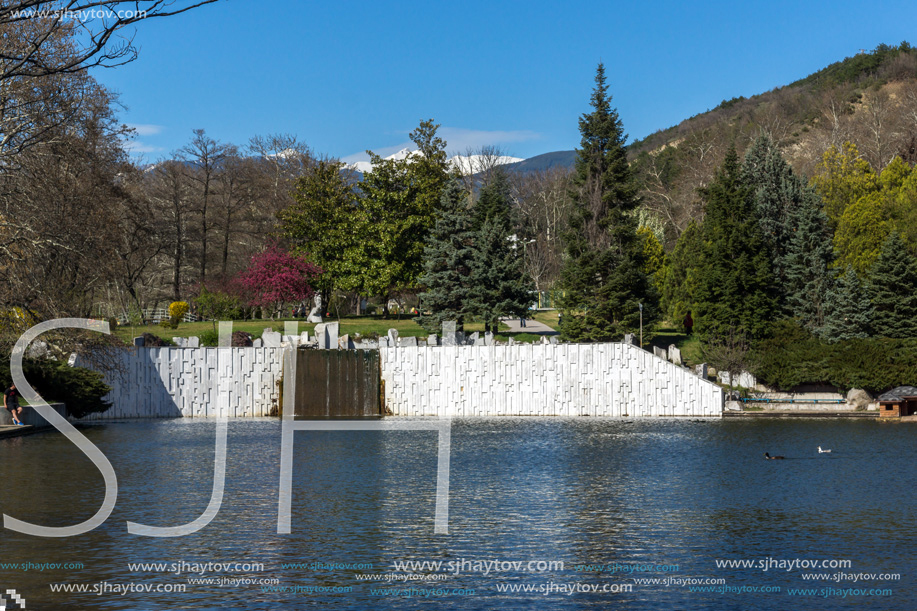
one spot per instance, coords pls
(793, 357)
(79, 388)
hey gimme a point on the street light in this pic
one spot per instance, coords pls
(641, 325)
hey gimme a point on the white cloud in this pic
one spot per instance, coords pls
(145, 129)
(134, 147)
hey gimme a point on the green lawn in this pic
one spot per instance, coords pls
(547, 317)
(363, 325)
(376, 325)
(689, 345)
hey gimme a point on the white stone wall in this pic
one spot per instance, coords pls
(194, 383)
(616, 380)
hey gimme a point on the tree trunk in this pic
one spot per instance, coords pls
(226, 243)
(204, 231)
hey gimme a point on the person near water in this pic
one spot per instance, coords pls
(11, 403)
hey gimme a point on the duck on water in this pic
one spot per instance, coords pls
(769, 457)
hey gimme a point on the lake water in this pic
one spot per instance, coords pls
(619, 504)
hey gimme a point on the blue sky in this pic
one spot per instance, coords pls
(349, 76)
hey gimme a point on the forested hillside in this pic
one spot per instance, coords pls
(869, 99)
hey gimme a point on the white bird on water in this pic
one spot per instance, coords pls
(820, 451)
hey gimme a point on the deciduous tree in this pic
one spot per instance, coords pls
(275, 277)
(324, 220)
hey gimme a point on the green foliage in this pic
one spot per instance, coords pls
(495, 200)
(894, 175)
(603, 293)
(604, 275)
(860, 233)
(680, 282)
(842, 178)
(728, 352)
(498, 284)
(794, 229)
(735, 290)
(893, 291)
(793, 357)
(653, 256)
(857, 68)
(731, 102)
(901, 208)
(848, 313)
(218, 305)
(807, 264)
(323, 222)
(79, 388)
(210, 338)
(448, 260)
(398, 211)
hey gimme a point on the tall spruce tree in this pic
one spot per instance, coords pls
(498, 284)
(848, 313)
(794, 229)
(604, 278)
(807, 264)
(495, 200)
(735, 292)
(448, 262)
(776, 192)
(893, 290)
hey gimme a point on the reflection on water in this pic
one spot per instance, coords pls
(586, 491)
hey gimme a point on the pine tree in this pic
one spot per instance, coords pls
(775, 191)
(494, 201)
(848, 313)
(604, 278)
(498, 284)
(893, 290)
(807, 263)
(793, 228)
(735, 288)
(448, 262)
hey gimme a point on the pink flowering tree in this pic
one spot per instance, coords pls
(276, 277)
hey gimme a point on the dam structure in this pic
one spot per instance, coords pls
(616, 380)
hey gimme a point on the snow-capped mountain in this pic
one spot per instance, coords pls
(472, 164)
(467, 164)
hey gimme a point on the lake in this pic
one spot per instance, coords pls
(543, 514)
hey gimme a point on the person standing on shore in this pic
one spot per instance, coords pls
(11, 403)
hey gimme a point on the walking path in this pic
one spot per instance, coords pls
(531, 326)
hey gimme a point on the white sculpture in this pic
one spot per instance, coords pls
(315, 315)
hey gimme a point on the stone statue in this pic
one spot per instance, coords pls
(315, 315)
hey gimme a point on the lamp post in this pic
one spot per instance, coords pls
(641, 326)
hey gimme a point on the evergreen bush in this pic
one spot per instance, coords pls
(793, 356)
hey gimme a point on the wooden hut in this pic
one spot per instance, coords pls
(898, 402)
